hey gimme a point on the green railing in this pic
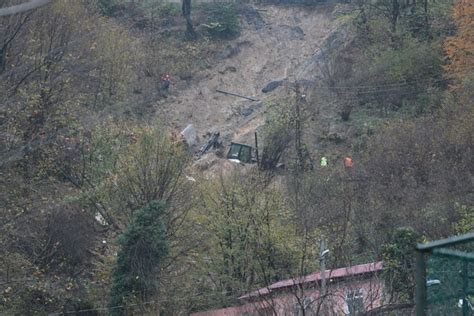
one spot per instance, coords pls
(445, 277)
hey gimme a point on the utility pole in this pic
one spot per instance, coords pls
(426, 14)
(298, 163)
(322, 264)
(465, 289)
(299, 156)
(256, 149)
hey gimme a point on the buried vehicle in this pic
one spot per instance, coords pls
(242, 153)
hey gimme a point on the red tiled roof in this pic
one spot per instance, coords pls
(316, 276)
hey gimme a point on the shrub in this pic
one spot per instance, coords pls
(106, 7)
(277, 136)
(222, 20)
(394, 75)
(164, 10)
(400, 266)
(70, 233)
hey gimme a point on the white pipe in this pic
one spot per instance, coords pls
(33, 4)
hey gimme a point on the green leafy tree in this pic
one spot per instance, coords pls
(143, 247)
(399, 260)
(465, 224)
(251, 240)
(112, 49)
(222, 20)
(106, 6)
(151, 168)
(277, 135)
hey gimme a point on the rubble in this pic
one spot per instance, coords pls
(272, 85)
(189, 135)
(212, 142)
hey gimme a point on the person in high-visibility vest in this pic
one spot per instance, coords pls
(324, 162)
(348, 162)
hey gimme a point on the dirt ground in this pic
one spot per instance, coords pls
(276, 43)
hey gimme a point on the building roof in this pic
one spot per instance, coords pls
(340, 273)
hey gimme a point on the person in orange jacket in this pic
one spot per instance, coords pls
(348, 162)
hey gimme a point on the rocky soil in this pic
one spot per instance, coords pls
(277, 46)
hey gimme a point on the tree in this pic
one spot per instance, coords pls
(460, 47)
(186, 10)
(10, 28)
(399, 260)
(114, 52)
(57, 61)
(151, 168)
(465, 224)
(106, 6)
(277, 135)
(393, 10)
(251, 241)
(222, 20)
(41, 91)
(394, 14)
(143, 248)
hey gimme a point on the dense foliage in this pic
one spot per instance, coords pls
(83, 160)
(222, 20)
(143, 247)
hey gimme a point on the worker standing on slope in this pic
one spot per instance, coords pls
(165, 82)
(348, 162)
(324, 162)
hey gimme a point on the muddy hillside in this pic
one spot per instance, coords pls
(277, 46)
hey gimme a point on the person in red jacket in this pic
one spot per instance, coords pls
(165, 82)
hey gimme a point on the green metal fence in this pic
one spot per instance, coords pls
(445, 277)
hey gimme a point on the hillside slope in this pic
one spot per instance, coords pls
(276, 43)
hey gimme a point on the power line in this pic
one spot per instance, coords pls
(353, 90)
(401, 83)
(18, 152)
(394, 84)
(209, 295)
(401, 90)
(103, 308)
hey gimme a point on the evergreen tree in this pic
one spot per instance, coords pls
(398, 256)
(143, 247)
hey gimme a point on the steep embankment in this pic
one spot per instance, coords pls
(276, 43)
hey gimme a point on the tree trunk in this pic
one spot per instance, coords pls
(186, 9)
(395, 12)
(2, 60)
(426, 14)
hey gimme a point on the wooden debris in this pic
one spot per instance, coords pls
(236, 95)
